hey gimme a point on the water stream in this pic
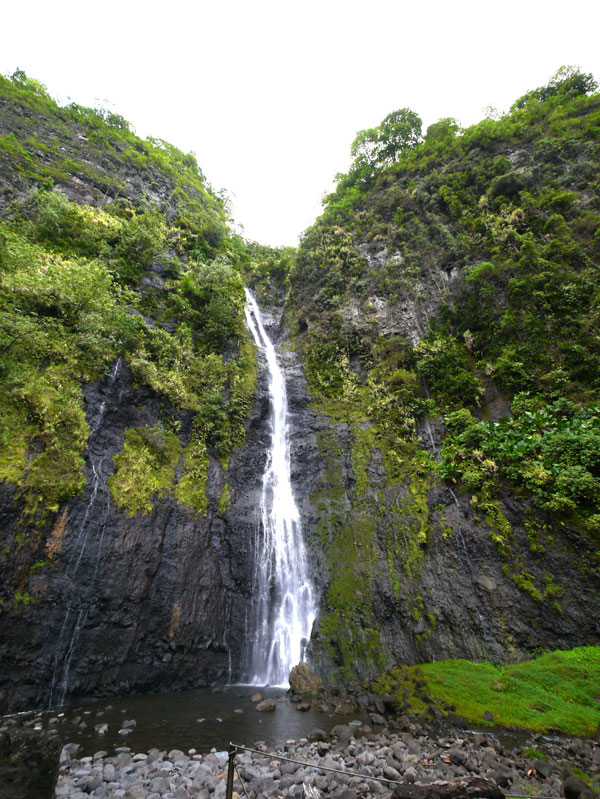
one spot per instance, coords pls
(284, 598)
(92, 527)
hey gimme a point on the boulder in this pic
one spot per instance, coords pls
(543, 768)
(574, 787)
(266, 706)
(29, 762)
(303, 681)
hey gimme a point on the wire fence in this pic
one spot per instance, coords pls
(232, 772)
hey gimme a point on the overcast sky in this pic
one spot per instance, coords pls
(270, 94)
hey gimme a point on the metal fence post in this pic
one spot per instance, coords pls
(230, 768)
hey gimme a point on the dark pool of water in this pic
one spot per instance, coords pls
(197, 719)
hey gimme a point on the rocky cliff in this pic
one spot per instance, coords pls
(133, 427)
(437, 331)
(447, 436)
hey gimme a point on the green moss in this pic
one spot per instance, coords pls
(191, 488)
(145, 469)
(551, 589)
(347, 627)
(363, 443)
(533, 754)
(556, 691)
(225, 499)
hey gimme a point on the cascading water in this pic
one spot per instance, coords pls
(93, 526)
(284, 602)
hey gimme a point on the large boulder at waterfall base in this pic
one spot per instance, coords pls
(303, 681)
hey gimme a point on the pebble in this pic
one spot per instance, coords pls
(408, 757)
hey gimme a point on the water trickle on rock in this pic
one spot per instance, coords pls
(284, 598)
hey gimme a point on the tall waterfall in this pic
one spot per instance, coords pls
(284, 605)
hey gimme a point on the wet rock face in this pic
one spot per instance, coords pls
(145, 603)
(457, 592)
(160, 601)
(29, 763)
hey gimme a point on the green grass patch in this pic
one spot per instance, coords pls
(556, 691)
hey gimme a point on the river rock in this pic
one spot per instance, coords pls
(422, 761)
(460, 789)
(543, 768)
(574, 787)
(303, 681)
(266, 706)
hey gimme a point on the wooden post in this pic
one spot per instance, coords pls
(230, 767)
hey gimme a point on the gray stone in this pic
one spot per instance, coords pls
(391, 773)
(266, 706)
(543, 768)
(574, 787)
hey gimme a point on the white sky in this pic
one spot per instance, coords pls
(269, 94)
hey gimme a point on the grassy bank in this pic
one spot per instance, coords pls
(557, 691)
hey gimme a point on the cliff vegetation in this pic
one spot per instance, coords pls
(443, 314)
(445, 306)
(113, 250)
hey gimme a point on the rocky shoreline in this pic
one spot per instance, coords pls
(419, 755)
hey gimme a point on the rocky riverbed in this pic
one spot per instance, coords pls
(415, 756)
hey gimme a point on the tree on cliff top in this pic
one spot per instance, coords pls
(382, 146)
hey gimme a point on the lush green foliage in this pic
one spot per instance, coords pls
(454, 278)
(71, 145)
(384, 145)
(62, 320)
(145, 469)
(557, 691)
(553, 451)
(148, 272)
(483, 246)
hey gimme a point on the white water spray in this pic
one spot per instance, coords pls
(284, 604)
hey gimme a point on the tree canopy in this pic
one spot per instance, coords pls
(382, 146)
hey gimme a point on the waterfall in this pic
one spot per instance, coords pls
(284, 605)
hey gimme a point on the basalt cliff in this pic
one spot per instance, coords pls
(438, 331)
